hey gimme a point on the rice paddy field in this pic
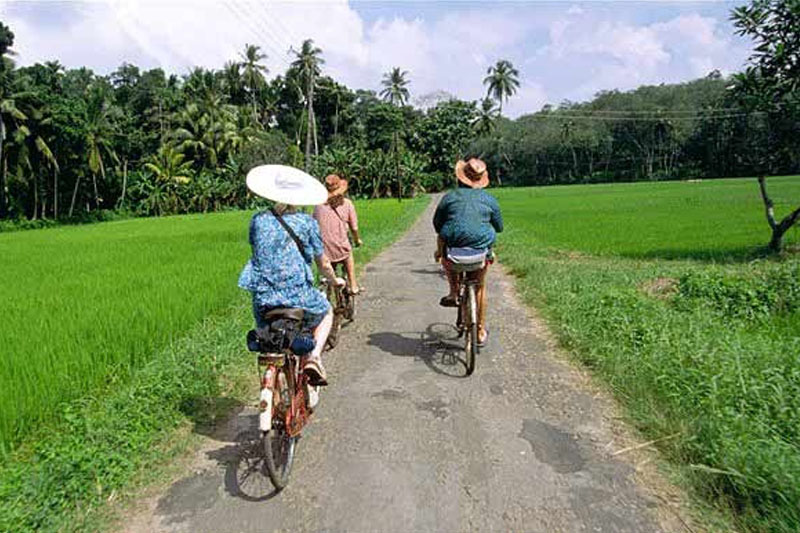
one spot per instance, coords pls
(84, 307)
(662, 289)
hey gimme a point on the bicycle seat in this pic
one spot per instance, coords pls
(291, 313)
(467, 259)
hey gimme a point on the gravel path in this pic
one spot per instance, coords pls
(403, 442)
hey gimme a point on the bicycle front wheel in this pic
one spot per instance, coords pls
(279, 450)
(471, 337)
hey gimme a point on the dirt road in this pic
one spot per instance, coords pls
(403, 442)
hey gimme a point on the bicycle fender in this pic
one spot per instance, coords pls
(265, 408)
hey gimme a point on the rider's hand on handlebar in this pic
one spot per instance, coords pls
(437, 256)
(359, 243)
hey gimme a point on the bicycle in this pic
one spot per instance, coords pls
(284, 407)
(464, 261)
(343, 303)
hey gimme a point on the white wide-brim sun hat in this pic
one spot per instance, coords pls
(286, 185)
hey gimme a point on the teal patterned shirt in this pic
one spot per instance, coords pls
(277, 275)
(468, 218)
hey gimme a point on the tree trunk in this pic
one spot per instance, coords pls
(124, 182)
(309, 119)
(397, 170)
(102, 174)
(74, 195)
(3, 186)
(96, 194)
(778, 228)
(35, 195)
(314, 123)
(55, 193)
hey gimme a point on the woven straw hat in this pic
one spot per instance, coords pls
(335, 184)
(472, 173)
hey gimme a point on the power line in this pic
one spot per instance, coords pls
(600, 118)
(242, 17)
(275, 45)
(288, 31)
(650, 111)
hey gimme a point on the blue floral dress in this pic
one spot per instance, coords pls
(277, 274)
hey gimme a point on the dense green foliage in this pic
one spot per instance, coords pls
(700, 340)
(152, 143)
(91, 303)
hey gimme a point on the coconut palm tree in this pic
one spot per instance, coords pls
(99, 132)
(308, 61)
(253, 74)
(395, 87)
(7, 105)
(34, 144)
(396, 93)
(502, 81)
(485, 123)
(168, 166)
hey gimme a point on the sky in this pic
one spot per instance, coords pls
(564, 50)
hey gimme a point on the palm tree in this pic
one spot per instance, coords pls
(45, 157)
(308, 62)
(396, 93)
(394, 83)
(168, 166)
(485, 122)
(502, 81)
(7, 105)
(8, 112)
(99, 132)
(253, 73)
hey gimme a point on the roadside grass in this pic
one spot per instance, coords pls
(705, 351)
(90, 448)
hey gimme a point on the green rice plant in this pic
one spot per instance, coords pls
(709, 219)
(85, 306)
(95, 446)
(705, 351)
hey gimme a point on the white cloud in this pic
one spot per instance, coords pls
(623, 55)
(561, 53)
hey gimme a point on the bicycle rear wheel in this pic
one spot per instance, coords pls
(471, 337)
(349, 305)
(278, 445)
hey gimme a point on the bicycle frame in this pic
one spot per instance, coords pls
(293, 393)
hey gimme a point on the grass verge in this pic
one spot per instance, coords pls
(90, 450)
(706, 352)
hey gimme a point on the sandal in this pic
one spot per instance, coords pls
(448, 301)
(482, 343)
(316, 376)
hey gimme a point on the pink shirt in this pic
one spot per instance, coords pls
(333, 227)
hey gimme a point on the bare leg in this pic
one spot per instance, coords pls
(452, 281)
(481, 297)
(320, 336)
(350, 265)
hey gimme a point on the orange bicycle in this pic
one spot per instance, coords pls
(284, 406)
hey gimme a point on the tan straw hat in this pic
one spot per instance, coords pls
(472, 173)
(286, 185)
(335, 184)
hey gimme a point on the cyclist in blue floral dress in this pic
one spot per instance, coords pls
(279, 274)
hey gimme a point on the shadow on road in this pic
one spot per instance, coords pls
(245, 474)
(439, 347)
